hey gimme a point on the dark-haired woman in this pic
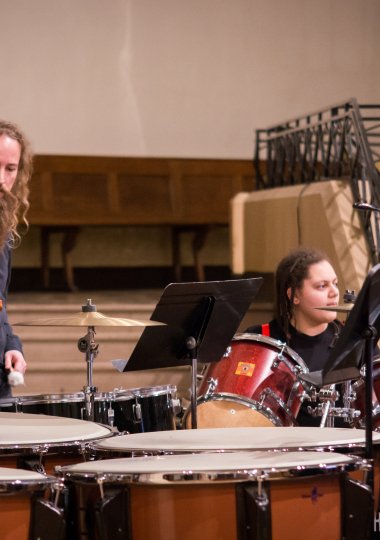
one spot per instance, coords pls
(304, 281)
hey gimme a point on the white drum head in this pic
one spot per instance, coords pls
(238, 439)
(21, 475)
(211, 467)
(21, 429)
(18, 480)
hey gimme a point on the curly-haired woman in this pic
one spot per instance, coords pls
(15, 171)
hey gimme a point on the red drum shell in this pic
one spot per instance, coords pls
(256, 384)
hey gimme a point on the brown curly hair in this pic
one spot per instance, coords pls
(17, 200)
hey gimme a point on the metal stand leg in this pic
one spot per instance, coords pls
(88, 346)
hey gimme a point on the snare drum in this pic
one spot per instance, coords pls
(256, 383)
(135, 410)
(20, 497)
(148, 409)
(66, 405)
(219, 496)
(39, 442)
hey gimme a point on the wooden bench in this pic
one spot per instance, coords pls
(69, 192)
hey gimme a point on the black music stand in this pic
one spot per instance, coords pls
(354, 349)
(201, 320)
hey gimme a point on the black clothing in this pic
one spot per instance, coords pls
(313, 350)
(8, 340)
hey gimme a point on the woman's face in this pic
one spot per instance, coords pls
(319, 289)
(10, 153)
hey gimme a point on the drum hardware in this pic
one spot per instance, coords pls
(327, 397)
(327, 410)
(110, 415)
(228, 352)
(88, 346)
(175, 404)
(100, 481)
(212, 384)
(268, 392)
(349, 296)
(137, 416)
(349, 396)
(281, 356)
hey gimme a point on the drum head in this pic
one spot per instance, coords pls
(230, 411)
(238, 439)
(207, 467)
(16, 480)
(22, 430)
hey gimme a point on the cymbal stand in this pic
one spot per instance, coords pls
(87, 345)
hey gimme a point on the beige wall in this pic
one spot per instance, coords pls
(179, 78)
(174, 78)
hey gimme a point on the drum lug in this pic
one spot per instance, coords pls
(275, 364)
(137, 416)
(212, 384)
(110, 416)
(227, 352)
(175, 404)
(31, 463)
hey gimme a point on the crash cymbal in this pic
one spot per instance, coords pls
(342, 308)
(92, 318)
